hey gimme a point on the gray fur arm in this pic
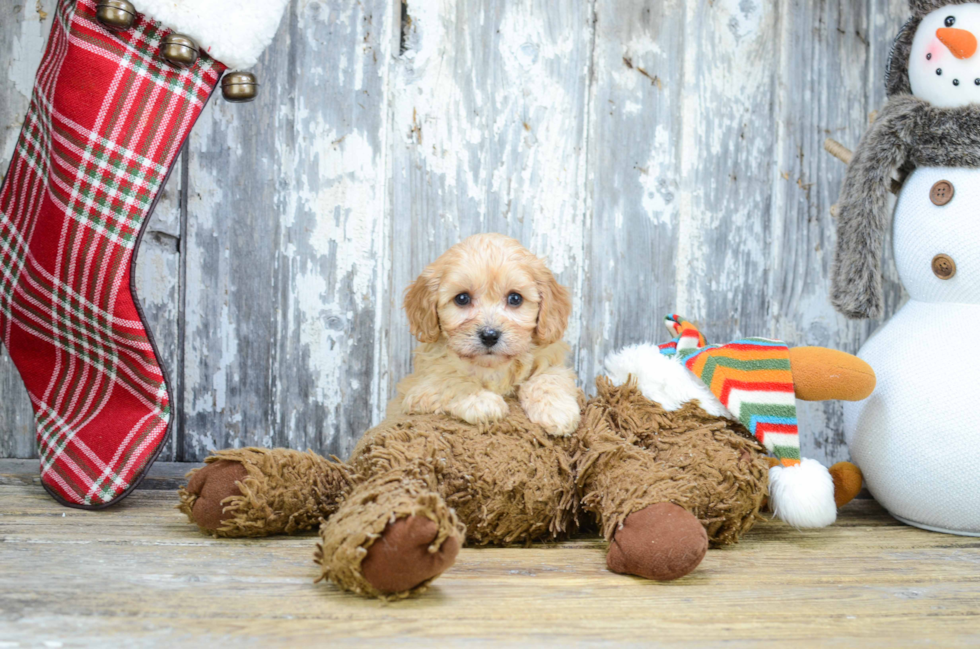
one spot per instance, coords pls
(856, 288)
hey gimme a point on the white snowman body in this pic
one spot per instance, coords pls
(917, 437)
(920, 429)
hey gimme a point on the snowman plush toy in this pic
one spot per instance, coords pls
(917, 438)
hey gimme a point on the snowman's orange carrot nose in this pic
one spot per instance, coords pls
(961, 43)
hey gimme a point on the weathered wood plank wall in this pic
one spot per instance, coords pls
(665, 155)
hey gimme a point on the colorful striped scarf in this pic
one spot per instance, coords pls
(751, 377)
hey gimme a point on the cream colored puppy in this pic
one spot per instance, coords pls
(490, 317)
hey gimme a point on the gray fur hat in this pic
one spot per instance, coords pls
(897, 79)
(922, 7)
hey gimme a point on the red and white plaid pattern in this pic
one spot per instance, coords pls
(105, 125)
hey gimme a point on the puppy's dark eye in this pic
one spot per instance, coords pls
(950, 21)
(515, 299)
(463, 299)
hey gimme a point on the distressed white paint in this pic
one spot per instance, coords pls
(665, 155)
(282, 340)
(489, 105)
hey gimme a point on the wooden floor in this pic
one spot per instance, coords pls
(139, 575)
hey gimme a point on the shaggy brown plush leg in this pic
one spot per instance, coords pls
(211, 486)
(635, 454)
(401, 559)
(662, 542)
(258, 492)
(392, 536)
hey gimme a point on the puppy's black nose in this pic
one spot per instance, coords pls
(489, 337)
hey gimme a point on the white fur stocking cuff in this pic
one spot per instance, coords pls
(235, 32)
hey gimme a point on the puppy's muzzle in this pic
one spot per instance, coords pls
(489, 337)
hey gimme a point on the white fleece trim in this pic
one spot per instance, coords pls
(802, 495)
(235, 32)
(662, 379)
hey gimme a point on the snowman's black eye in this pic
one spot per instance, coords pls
(929, 56)
(950, 21)
(976, 82)
(956, 82)
(939, 71)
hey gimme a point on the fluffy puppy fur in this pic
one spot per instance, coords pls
(490, 317)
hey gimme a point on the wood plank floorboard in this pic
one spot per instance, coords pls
(139, 575)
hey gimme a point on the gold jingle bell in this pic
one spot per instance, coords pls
(179, 50)
(239, 87)
(115, 14)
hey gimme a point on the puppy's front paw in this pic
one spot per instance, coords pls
(557, 414)
(480, 408)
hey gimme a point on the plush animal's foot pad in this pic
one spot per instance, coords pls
(402, 558)
(662, 542)
(211, 485)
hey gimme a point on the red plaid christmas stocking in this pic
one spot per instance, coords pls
(106, 122)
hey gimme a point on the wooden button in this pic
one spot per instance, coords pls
(942, 193)
(943, 266)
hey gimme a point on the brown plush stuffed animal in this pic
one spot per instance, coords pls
(397, 513)
(662, 483)
(663, 486)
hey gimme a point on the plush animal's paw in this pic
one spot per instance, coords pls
(208, 487)
(558, 414)
(403, 557)
(662, 542)
(481, 408)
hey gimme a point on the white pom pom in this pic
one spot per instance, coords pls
(802, 495)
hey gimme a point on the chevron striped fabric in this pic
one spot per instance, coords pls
(751, 377)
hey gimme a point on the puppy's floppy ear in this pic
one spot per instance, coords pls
(554, 309)
(421, 305)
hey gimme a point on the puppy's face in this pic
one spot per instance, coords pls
(488, 308)
(491, 299)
